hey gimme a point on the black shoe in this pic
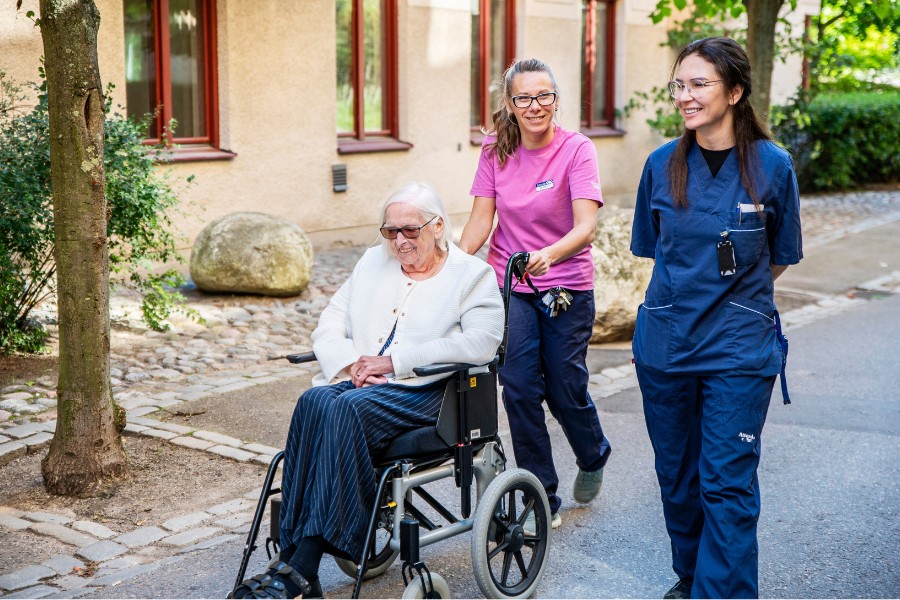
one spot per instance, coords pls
(279, 581)
(680, 590)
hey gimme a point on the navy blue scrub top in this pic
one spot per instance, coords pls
(693, 319)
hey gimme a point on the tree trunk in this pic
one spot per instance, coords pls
(762, 17)
(86, 450)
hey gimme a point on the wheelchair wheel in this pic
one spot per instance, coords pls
(384, 557)
(508, 559)
(415, 589)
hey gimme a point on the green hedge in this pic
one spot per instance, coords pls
(842, 141)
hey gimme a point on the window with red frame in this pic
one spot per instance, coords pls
(366, 74)
(170, 68)
(493, 50)
(598, 37)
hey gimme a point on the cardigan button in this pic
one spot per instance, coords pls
(395, 311)
(380, 340)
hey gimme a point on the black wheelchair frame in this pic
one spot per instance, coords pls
(463, 444)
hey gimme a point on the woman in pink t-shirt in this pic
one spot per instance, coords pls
(542, 183)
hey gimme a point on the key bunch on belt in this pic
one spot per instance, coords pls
(555, 300)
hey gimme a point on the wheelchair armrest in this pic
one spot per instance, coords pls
(439, 368)
(301, 358)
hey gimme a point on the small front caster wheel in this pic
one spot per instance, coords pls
(415, 589)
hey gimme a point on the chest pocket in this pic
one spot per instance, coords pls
(748, 234)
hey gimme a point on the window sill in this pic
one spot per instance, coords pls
(603, 131)
(197, 153)
(353, 146)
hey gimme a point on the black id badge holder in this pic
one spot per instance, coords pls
(725, 254)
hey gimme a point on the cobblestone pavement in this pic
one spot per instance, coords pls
(237, 345)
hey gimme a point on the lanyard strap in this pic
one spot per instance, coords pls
(391, 338)
(783, 342)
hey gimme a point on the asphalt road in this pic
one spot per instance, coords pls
(830, 473)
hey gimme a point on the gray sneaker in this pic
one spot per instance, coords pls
(587, 485)
(529, 526)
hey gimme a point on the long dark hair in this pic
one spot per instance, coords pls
(505, 126)
(733, 67)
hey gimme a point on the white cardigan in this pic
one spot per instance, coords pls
(454, 316)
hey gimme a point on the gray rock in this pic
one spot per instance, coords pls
(95, 529)
(620, 278)
(183, 522)
(15, 406)
(252, 253)
(63, 564)
(45, 517)
(191, 536)
(102, 550)
(11, 451)
(25, 577)
(142, 536)
(38, 591)
(63, 534)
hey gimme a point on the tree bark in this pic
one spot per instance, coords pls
(762, 17)
(86, 451)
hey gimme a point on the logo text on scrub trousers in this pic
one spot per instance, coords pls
(746, 437)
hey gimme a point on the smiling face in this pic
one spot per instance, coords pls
(707, 110)
(536, 121)
(417, 254)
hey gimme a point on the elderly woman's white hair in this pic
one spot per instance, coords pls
(422, 196)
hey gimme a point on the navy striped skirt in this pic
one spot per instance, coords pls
(328, 482)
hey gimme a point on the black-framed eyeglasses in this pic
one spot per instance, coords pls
(410, 232)
(545, 99)
(694, 87)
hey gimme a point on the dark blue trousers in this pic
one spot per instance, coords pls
(328, 482)
(706, 434)
(545, 361)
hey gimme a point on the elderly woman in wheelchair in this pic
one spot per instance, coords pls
(414, 300)
(376, 414)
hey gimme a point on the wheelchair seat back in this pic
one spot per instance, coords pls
(479, 397)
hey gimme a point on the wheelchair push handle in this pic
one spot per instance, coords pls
(515, 267)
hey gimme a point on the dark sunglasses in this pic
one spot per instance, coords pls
(410, 232)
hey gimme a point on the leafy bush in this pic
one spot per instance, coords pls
(139, 201)
(843, 140)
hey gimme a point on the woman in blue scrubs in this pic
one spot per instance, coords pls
(718, 211)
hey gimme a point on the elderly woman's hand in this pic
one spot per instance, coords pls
(370, 370)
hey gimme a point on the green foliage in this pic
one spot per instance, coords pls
(666, 121)
(140, 200)
(834, 143)
(853, 44)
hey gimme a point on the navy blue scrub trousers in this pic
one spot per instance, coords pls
(328, 482)
(705, 431)
(545, 361)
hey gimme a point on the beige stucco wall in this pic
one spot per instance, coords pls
(269, 51)
(786, 73)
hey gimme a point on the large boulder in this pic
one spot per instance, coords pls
(253, 253)
(620, 278)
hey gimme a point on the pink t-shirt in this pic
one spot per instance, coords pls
(534, 192)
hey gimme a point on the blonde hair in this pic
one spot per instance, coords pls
(423, 197)
(505, 127)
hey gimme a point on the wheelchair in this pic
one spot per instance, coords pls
(510, 521)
